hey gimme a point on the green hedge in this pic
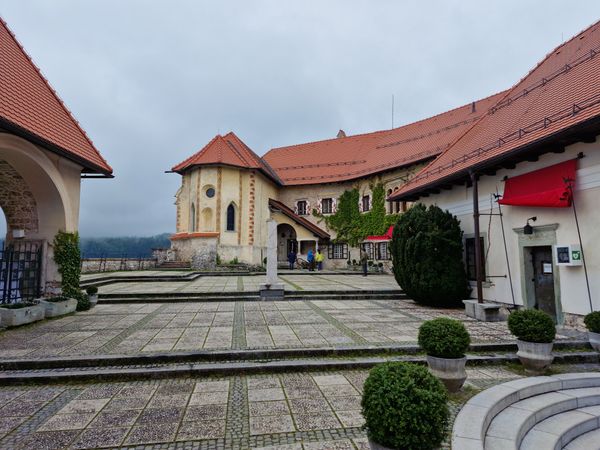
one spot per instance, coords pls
(68, 258)
(444, 338)
(427, 255)
(405, 407)
(532, 325)
(592, 321)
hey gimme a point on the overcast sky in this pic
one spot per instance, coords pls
(153, 81)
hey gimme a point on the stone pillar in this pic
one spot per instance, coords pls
(272, 289)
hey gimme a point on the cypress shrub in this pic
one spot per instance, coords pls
(427, 253)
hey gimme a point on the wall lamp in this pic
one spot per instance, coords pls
(528, 229)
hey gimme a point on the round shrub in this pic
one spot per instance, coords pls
(92, 290)
(532, 325)
(404, 406)
(592, 321)
(427, 256)
(444, 338)
(83, 301)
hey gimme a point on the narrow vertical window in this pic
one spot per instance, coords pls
(231, 217)
(192, 218)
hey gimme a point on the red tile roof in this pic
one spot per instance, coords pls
(348, 158)
(560, 93)
(228, 150)
(30, 107)
(316, 230)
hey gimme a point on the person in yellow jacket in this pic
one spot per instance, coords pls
(319, 257)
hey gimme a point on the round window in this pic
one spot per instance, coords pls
(210, 192)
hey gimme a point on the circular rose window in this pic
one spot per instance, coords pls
(210, 192)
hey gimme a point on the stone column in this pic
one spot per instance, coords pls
(272, 289)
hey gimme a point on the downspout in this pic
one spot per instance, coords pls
(478, 271)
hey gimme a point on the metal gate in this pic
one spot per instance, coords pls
(20, 269)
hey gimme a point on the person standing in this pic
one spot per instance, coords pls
(319, 257)
(292, 258)
(364, 260)
(310, 257)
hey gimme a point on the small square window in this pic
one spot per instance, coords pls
(301, 205)
(327, 206)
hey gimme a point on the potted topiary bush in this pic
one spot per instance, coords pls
(592, 322)
(445, 341)
(83, 301)
(535, 333)
(92, 292)
(404, 407)
(380, 266)
(58, 306)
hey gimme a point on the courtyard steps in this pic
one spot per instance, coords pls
(175, 265)
(229, 362)
(546, 412)
(105, 298)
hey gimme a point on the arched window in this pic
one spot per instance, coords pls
(231, 217)
(192, 218)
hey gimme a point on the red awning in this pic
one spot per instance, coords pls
(546, 187)
(384, 237)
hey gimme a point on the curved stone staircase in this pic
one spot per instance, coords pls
(538, 413)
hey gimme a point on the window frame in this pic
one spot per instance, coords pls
(304, 212)
(366, 199)
(470, 262)
(228, 220)
(329, 200)
(386, 253)
(331, 250)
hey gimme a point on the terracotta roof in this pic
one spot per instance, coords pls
(347, 158)
(228, 150)
(298, 219)
(561, 93)
(31, 108)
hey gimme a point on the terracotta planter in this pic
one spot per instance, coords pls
(56, 309)
(535, 356)
(594, 340)
(450, 371)
(21, 316)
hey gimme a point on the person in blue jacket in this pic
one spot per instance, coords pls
(310, 257)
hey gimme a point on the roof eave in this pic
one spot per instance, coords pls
(88, 166)
(552, 143)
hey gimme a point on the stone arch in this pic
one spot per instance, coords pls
(286, 240)
(207, 220)
(56, 206)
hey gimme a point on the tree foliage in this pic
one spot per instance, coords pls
(351, 225)
(427, 255)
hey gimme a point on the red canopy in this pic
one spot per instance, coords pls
(385, 237)
(546, 187)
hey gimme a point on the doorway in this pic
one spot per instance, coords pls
(286, 241)
(542, 280)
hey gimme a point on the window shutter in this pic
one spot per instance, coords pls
(334, 205)
(296, 207)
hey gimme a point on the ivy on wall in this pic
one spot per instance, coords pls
(68, 258)
(351, 225)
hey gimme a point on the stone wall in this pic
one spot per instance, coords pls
(115, 264)
(16, 200)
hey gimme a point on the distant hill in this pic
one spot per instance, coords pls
(127, 246)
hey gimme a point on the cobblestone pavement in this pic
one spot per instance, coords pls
(317, 282)
(283, 411)
(175, 327)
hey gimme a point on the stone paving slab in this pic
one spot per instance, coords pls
(235, 283)
(303, 411)
(132, 329)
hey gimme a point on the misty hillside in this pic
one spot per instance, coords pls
(128, 246)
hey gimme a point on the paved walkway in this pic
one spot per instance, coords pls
(293, 411)
(175, 327)
(247, 283)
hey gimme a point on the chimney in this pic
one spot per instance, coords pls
(341, 134)
(473, 107)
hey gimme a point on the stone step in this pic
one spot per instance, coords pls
(557, 431)
(587, 441)
(151, 370)
(307, 293)
(508, 428)
(476, 416)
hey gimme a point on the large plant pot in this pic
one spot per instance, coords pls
(594, 340)
(56, 309)
(21, 316)
(93, 300)
(535, 356)
(450, 371)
